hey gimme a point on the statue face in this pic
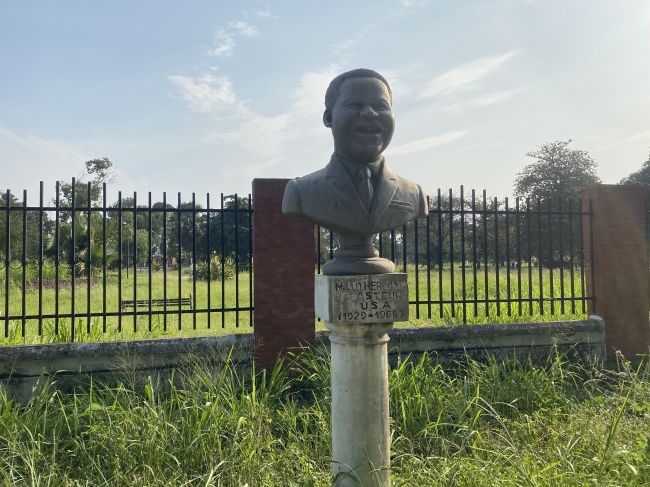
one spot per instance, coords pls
(361, 120)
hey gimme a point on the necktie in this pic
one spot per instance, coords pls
(365, 188)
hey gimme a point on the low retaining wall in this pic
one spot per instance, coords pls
(22, 367)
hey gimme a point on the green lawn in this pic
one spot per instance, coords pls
(473, 425)
(428, 286)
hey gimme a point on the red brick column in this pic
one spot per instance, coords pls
(283, 256)
(619, 280)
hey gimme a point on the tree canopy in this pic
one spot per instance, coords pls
(640, 177)
(557, 172)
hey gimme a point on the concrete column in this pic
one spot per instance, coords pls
(284, 257)
(360, 426)
(616, 265)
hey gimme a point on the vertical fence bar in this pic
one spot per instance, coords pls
(236, 261)
(23, 259)
(496, 255)
(518, 235)
(223, 267)
(550, 254)
(179, 262)
(474, 256)
(559, 218)
(486, 275)
(417, 262)
(119, 257)
(428, 257)
(40, 259)
(150, 256)
(209, 255)
(194, 260)
(392, 245)
(462, 252)
(104, 257)
(581, 240)
(440, 243)
(404, 249)
(508, 300)
(73, 252)
(318, 253)
(135, 262)
(331, 244)
(591, 253)
(164, 258)
(571, 259)
(539, 256)
(250, 259)
(452, 285)
(530, 257)
(57, 232)
(88, 259)
(7, 259)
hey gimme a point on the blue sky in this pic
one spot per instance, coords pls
(204, 96)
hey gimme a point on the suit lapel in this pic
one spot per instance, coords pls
(342, 186)
(383, 195)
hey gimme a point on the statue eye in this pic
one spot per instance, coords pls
(354, 106)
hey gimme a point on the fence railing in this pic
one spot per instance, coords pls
(79, 266)
(475, 258)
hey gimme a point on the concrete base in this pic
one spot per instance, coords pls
(360, 426)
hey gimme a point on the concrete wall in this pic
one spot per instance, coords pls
(21, 368)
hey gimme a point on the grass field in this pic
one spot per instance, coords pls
(473, 425)
(238, 294)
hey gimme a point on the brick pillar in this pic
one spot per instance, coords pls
(617, 271)
(283, 256)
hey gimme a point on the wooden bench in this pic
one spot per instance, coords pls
(157, 303)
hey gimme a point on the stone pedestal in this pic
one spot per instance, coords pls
(359, 310)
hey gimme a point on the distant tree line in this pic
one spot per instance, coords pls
(128, 235)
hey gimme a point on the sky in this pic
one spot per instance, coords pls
(203, 96)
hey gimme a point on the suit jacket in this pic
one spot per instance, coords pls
(329, 198)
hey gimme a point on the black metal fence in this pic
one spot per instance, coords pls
(475, 259)
(79, 266)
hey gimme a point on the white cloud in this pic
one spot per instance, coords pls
(639, 136)
(265, 14)
(224, 44)
(243, 28)
(270, 136)
(425, 143)
(482, 101)
(464, 77)
(32, 158)
(207, 93)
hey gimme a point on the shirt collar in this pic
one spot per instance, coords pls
(352, 168)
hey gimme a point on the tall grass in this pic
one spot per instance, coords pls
(471, 425)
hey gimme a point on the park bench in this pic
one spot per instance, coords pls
(156, 303)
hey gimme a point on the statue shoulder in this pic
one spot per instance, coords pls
(299, 188)
(416, 193)
(291, 204)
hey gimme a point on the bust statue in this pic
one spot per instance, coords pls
(357, 194)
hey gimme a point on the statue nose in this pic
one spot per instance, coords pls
(368, 111)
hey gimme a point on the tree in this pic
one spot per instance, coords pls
(558, 172)
(640, 177)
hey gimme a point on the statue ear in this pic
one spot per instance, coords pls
(327, 118)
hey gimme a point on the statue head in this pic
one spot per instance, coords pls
(358, 110)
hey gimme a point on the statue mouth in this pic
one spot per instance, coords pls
(367, 129)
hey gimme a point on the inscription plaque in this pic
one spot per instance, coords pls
(372, 298)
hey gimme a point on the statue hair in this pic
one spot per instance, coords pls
(333, 89)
